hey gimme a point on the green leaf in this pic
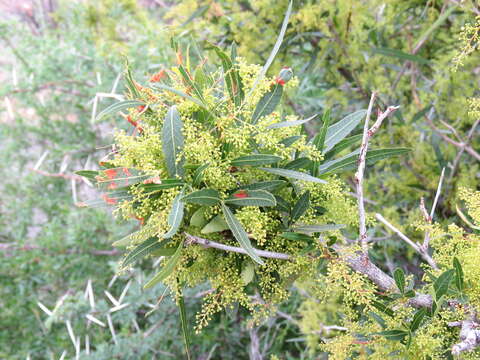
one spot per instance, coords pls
(282, 204)
(319, 139)
(123, 242)
(310, 229)
(114, 179)
(131, 83)
(400, 55)
(198, 175)
(118, 106)
(293, 175)
(252, 198)
(89, 174)
(255, 160)
(442, 283)
(299, 163)
(142, 250)
(301, 206)
(382, 307)
(232, 77)
(290, 140)
(297, 237)
(290, 123)
(167, 269)
(188, 80)
(198, 218)
(458, 274)
(164, 184)
(394, 335)
(175, 216)
(417, 319)
(207, 197)
(341, 129)
(342, 145)
(265, 185)
(267, 103)
(248, 272)
(217, 224)
(181, 94)
(184, 322)
(275, 49)
(239, 233)
(172, 141)
(350, 161)
(399, 277)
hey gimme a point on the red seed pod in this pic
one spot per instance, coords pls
(240, 194)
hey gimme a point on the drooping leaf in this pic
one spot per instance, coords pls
(417, 319)
(239, 233)
(140, 251)
(290, 123)
(172, 141)
(252, 198)
(293, 175)
(442, 283)
(338, 131)
(267, 103)
(270, 185)
(350, 161)
(255, 160)
(175, 216)
(311, 229)
(206, 197)
(118, 106)
(167, 268)
(217, 224)
(301, 206)
(458, 274)
(399, 277)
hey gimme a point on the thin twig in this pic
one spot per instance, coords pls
(191, 239)
(423, 252)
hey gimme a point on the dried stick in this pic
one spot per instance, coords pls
(191, 239)
(367, 134)
(418, 248)
(469, 334)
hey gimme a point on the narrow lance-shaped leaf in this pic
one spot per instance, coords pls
(175, 216)
(184, 322)
(145, 248)
(400, 55)
(301, 206)
(268, 103)
(342, 145)
(207, 197)
(265, 185)
(239, 233)
(198, 175)
(349, 161)
(293, 175)
(399, 277)
(458, 274)
(130, 82)
(232, 77)
(190, 83)
(118, 106)
(181, 94)
(290, 123)
(255, 160)
(275, 49)
(311, 229)
(167, 269)
(319, 139)
(117, 178)
(252, 198)
(89, 174)
(417, 319)
(441, 284)
(172, 142)
(341, 129)
(217, 224)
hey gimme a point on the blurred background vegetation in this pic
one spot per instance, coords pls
(62, 61)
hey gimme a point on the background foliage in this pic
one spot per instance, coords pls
(54, 65)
